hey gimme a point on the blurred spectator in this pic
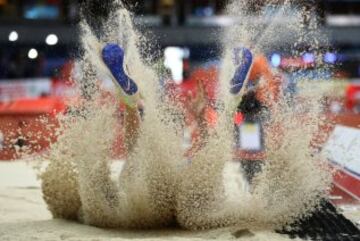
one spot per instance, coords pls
(16, 64)
(166, 10)
(8, 8)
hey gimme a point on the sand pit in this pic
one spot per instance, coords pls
(24, 216)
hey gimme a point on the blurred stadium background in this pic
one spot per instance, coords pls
(39, 37)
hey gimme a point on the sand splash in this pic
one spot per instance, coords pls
(156, 187)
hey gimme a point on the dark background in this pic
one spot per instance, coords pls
(192, 24)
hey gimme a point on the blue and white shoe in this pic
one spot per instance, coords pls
(113, 57)
(242, 71)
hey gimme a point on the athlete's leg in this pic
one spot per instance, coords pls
(131, 123)
(113, 57)
(195, 203)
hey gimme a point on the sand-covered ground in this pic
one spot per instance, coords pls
(24, 216)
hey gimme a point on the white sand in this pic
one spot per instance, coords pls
(24, 216)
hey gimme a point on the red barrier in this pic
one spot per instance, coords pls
(352, 101)
(22, 131)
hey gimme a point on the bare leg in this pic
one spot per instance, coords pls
(132, 124)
